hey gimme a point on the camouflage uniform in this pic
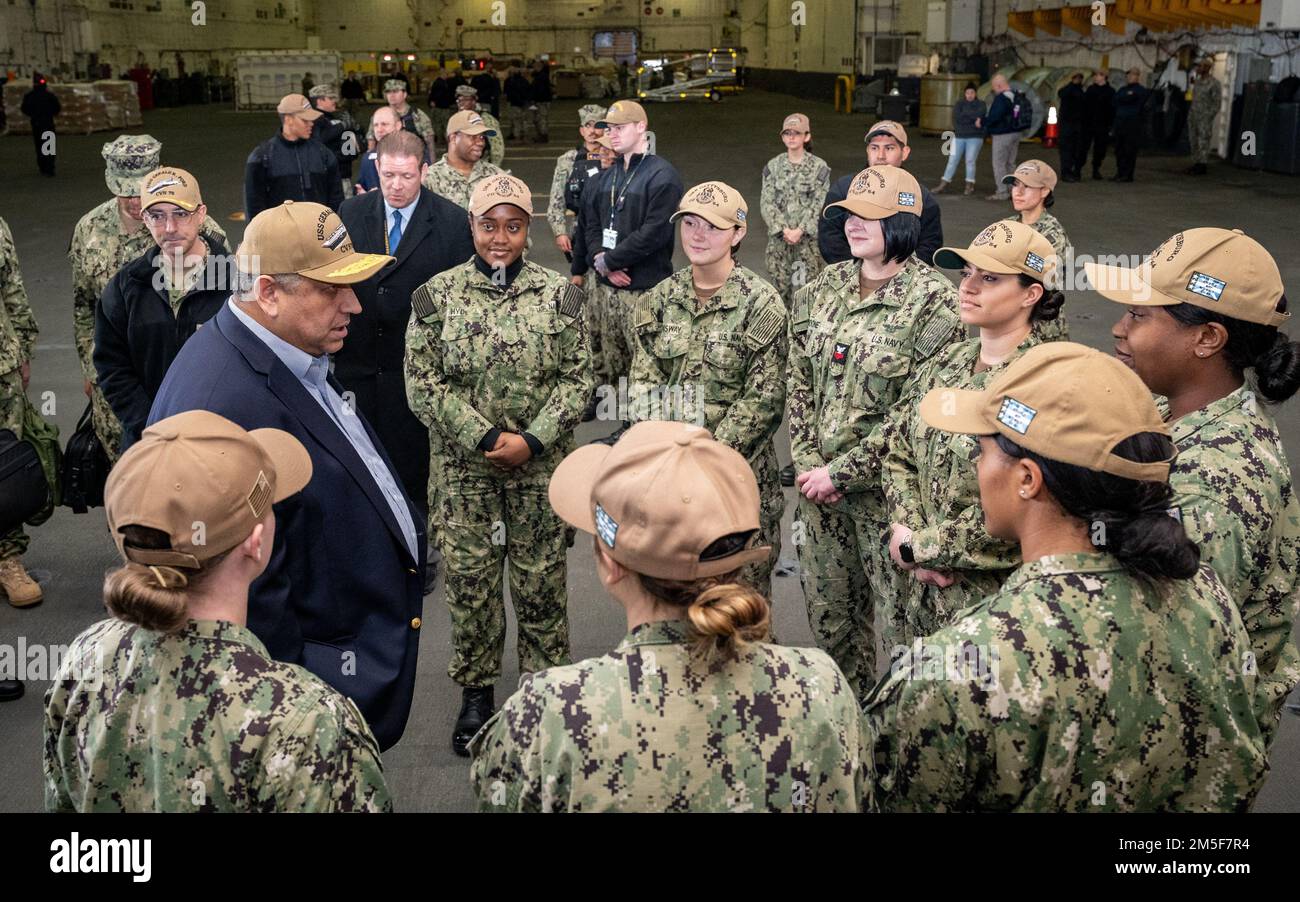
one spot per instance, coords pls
(480, 357)
(648, 727)
(1050, 228)
(99, 248)
(1077, 687)
(555, 207)
(440, 117)
(1233, 488)
(443, 179)
(202, 720)
(1206, 94)
(726, 360)
(421, 125)
(496, 144)
(850, 358)
(17, 342)
(792, 198)
(931, 487)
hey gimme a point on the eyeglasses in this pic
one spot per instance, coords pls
(157, 217)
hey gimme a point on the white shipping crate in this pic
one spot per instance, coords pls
(263, 77)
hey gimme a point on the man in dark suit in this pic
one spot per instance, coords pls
(343, 591)
(427, 234)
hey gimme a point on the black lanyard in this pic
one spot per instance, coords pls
(613, 205)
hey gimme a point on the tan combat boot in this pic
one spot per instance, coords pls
(21, 588)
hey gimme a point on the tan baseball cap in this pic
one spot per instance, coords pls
(659, 497)
(798, 122)
(500, 189)
(169, 185)
(880, 192)
(889, 127)
(1062, 400)
(297, 105)
(606, 142)
(1034, 173)
(469, 122)
(1004, 247)
(622, 111)
(1223, 270)
(307, 239)
(204, 481)
(717, 202)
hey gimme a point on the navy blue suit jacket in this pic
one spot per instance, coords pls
(341, 589)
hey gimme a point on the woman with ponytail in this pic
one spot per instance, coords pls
(945, 559)
(1201, 330)
(1108, 672)
(172, 704)
(694, 710)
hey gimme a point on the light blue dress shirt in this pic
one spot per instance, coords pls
(407, 212)
(313, 373)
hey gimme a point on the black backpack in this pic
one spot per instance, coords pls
(24, 490)
(1022, 114)
(85, 467)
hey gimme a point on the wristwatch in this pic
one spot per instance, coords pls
(905, 552)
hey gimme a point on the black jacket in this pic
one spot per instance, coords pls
(278, 170)
(489, 91)
(582, 171)
(579, 265)
(1072, 111)
(370, 364)
(1128, 107)
(137, 336)
(834, 246)
(332, 130)
(41, 106)
(442, 94)
(999, 119)
(645, 236)
(542, 85)
(518, 91)
(1098, 108)
(964, 114)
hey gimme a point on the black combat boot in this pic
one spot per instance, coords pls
(11, 690)
(476, 707)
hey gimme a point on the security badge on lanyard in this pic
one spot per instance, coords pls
(609, 238)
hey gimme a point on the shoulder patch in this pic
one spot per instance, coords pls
(764, 327)
(422, 301)
(644, 315)
(570, 301)
(936, 333)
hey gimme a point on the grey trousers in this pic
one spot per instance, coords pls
(1004, 160)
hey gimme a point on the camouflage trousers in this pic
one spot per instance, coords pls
(619, 337)
(542, 119)
(918, 610)
(790, 267)
(107, 427)
(517, 122)
(771, 501)
(440, 118)
(593, 320)
(493, 523)
(1200, 135)
(11, 417)
(436, 489)
(845, 581)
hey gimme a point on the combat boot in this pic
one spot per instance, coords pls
(22, 590)
(476, 706)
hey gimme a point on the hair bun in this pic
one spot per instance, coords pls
(1048, 306)
(1277, 370)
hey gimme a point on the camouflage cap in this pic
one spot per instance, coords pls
(719, 203)
(394, 84)
(199, 469)
(1223, 270)
(589, 113)
(466, 91)
(325, 90)
(500, 189)
(1065, 401)
(127, 159)
(659, 498)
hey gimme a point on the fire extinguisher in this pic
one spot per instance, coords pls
(1053, 130)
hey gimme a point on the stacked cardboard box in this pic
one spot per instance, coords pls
(85, 107)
